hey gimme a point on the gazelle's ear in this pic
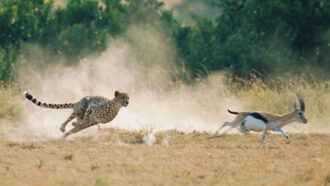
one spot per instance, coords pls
(295, 105)
(116, 93)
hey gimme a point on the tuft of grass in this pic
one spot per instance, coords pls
(41, 163)
(100, 182)
(136, 137)
(93, 167)
(68, 157)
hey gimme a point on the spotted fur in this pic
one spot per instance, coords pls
(90, 110)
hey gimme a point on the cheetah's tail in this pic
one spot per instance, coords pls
(54, 106)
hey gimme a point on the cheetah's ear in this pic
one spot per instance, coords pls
(116, 93)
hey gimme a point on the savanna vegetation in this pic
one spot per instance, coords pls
(249, 37)
(270, 47)
(266, 49)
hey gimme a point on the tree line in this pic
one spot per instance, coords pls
(249, 37)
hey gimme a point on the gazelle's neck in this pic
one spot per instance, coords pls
(286, 119)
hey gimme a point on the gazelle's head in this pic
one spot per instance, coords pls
(299, 113)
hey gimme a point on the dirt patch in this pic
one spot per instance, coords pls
(186, 159)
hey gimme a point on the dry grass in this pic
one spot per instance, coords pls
(188, 159)
(9, 100)
(127, 158)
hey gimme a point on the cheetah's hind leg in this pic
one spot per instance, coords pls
(72, 131)
(87, 120)
(80, 117)
(76, 124)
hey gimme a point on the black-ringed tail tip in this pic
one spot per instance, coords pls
(47, 105)
(30, 97)
(27, 95)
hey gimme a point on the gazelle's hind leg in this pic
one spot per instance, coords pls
(216, 134)
(242, 128)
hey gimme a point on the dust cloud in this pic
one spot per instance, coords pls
(143, 64)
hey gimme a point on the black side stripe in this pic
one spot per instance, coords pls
(258, 116)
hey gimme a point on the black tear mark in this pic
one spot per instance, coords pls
(258, 116)
(34, 100)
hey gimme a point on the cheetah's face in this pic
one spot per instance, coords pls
(122, 97)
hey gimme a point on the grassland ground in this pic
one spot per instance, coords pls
(122, 158)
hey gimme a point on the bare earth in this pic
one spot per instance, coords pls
(122, 158)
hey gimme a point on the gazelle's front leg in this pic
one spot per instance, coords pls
(264, 132)
(281, 131)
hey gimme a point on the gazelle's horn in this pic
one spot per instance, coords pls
(301, 101)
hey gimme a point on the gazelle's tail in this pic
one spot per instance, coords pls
(232, 112)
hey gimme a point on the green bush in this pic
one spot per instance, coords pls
(243, 38)
(264, 38)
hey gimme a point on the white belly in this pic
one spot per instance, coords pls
(254, 124)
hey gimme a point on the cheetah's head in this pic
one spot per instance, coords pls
(122, 97)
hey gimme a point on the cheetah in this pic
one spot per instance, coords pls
(90, 110)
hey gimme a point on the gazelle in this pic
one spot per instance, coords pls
(262, 121)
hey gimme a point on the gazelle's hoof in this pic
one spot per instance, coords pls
(212, 136)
